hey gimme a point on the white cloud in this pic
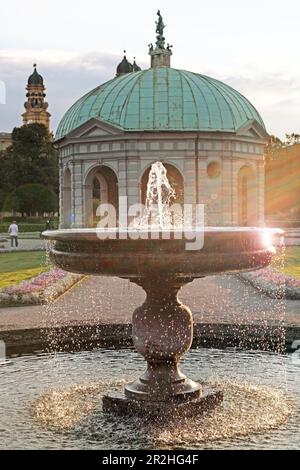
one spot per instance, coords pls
(276, 97)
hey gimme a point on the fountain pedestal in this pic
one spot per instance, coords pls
(162, 330)
(162, 326)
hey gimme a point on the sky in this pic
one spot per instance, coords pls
(252, 46)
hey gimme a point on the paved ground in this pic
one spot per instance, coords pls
(24, 245)
(103, 300)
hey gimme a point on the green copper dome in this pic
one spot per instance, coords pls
(162, 99)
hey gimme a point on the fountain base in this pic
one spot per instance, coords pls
(163, 382)
(173, 409)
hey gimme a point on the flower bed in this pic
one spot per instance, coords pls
(274, 283)
(40, 289)
(13, 278)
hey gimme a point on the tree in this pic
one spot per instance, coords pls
(292, 139)
(30, 199)
(3, 188)
(273, 146)
(31, 158)
(282, 177)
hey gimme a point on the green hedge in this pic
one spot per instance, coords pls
(28, 220)
(26, 227)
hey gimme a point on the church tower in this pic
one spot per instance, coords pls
(36, 106)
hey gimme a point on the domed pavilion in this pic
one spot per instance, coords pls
(209, 137)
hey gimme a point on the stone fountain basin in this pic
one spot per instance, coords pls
(161, 262)
(225, 250)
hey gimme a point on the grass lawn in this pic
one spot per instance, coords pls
(292, 261)
(16, 261)
(18, 266)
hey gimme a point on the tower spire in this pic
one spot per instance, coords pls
(160, 55)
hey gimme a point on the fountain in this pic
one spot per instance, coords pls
(158, 261)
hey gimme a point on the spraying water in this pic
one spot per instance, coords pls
(159, 211)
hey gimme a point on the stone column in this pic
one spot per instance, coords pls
(235, 165)
(66, 195)
(132, 177)
(87, 206)
(261, 192)
(189, 180)
(77, 185)
(202, 183)
(229, 202)
(61, 194)
(122, 189)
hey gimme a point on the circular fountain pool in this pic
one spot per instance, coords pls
(50, 402)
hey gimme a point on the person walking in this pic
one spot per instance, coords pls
(48, 225)
(13, 231)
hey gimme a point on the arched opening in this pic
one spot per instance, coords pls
(247, 197)
(101, 187)
(67, 199)
(175, 179)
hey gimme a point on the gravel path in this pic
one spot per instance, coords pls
(26, 244)
(104, 300)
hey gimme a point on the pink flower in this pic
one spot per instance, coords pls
(276, 277)
(37, 283)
